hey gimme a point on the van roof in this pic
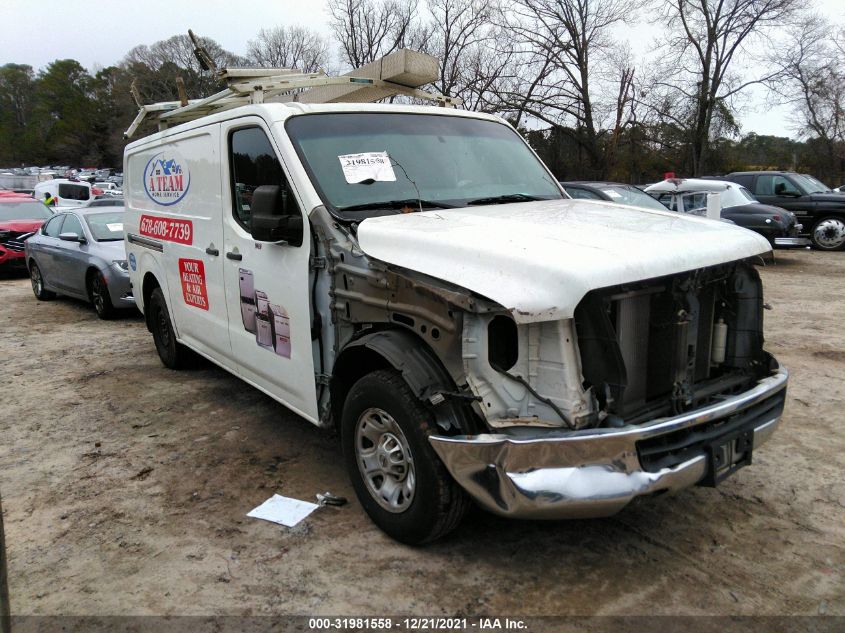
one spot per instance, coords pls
(279, 112)
(60, 181)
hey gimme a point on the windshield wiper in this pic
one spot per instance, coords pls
(397, 204)
(508, 197)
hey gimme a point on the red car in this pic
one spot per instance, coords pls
(20, 217)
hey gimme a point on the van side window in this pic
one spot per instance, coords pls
(253, 163)
(73, 192)
(51, 229)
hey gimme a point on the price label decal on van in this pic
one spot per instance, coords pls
(167, 229)
(192, 275)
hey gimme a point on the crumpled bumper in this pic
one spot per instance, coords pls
(597, 472)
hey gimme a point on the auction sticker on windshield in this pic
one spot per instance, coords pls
(167, 229)
(192, 275)
(372, 166)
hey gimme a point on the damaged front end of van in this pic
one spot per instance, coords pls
(624, 359)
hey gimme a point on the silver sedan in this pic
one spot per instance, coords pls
(81, 254)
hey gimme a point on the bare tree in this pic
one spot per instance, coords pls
(813, 81)
(157, 66)
(289, 47)
(459, 33)
(707, 37)
(567, 42)
(369, 29)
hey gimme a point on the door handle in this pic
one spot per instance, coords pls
(212, 251)
(236, 256)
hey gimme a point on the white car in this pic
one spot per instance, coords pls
(109, 188)
(737, 205)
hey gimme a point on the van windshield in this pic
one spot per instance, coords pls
(367, 164)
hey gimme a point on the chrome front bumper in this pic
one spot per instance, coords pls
(793, 241)
(594, 472)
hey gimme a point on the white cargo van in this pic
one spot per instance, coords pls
(68, 193)
(415, 277)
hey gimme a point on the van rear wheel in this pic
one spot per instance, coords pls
(397, 476)
(172, 353)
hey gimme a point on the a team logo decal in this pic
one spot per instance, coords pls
(166, 179)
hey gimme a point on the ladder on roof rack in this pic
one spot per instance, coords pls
(257, 85)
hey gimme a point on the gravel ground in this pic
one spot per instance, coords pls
(125, 487)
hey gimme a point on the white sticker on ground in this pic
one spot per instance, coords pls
(374, 166)
(283, 510)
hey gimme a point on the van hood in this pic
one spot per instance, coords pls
(539, 259)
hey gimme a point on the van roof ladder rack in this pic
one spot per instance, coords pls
(400, 73)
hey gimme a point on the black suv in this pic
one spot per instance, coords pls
(820, 210)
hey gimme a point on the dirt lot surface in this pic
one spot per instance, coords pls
(125, 487)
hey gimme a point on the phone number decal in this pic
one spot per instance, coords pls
(167, 229)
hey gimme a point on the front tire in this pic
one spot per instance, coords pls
(397, 476)
(172, 353)
(99, 292)
(37, 281)
(829, 234)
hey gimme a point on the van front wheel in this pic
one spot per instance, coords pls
(173, 354)
(397, 476)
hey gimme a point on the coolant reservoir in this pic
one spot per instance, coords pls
(720, 337)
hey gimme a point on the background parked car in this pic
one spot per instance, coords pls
(108, 188)
(689, 195)
(81, 254)
(107, 201)
(818, 208)
(612, 192)
(20, 217)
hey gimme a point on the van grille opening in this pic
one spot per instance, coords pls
(646, 348)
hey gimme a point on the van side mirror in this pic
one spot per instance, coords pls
(275, 216)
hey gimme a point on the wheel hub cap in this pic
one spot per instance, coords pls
(830, 233)
(384, 460)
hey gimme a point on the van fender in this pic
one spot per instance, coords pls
(419, 366)
(149, 265)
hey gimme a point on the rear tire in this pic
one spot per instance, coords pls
(829, 234)
(172, 353)
(37, 281)
(98, 291)
(398, 478)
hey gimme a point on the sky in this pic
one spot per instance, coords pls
(37, 32)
